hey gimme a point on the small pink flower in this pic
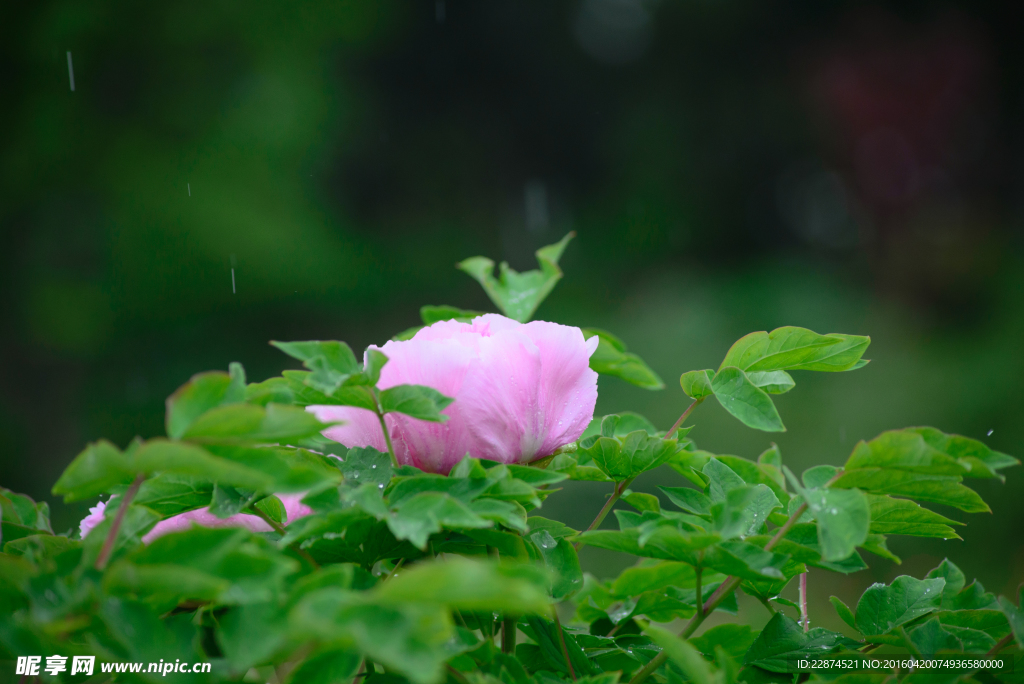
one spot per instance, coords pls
(293, 506)
(94, 518)
(521, 391)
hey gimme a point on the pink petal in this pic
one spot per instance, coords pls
(94, 518)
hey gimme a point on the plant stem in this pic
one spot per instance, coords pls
(277, 527)
(767, 604)
(620, 487)
(394, 570)
(700, 593)
(693, 405)
(729, 585)
(115, 527)
(1001, 644)
(561, 639)
(456, 675)
(384, 429)
(803, 602)
(508, 634)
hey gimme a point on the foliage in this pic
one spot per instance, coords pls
(401, 575)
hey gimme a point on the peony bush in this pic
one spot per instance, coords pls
(383, 521)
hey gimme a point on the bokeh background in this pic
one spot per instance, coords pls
(729, 166)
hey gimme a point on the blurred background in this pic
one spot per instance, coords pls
(728, 165)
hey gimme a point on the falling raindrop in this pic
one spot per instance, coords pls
(990, 433)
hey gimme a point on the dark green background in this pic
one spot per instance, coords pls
(729, 166)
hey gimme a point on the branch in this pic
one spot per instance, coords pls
(115, 527)
(693, 405)
(561, 639)
(620, 487)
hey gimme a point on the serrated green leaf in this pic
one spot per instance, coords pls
(518, 295)
(203, 392)
(882, 608)
(902, 516)
(417, 401)
(941, 489)
(419, 516)
(783, 639)
(95, 471)
(612, 358)
(750, 404)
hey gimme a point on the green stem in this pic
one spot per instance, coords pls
(394, 570)
(115, 527)
(693, 405)
(277, 527)
(620, 487)
(561, 639)
(727, 587)
(508, 634)
(1000, 645)
(767, 604)
(700, 593)
(384, 429)
(456, 675)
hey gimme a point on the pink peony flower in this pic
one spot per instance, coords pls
(94, 518)
(293, 506)
(521, 391)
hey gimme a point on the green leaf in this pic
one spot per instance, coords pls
(433, 314)
(419, 516)
(205, 391)
(844, 518)
(626, 457)
(682, 654)
(641, 501)
(169, 494)
(697, 384)
(1015, 616)
(228, 501)
(509, 513)
(545, 633)
(940, 489)
(408, 638)
(843, 611)
(688, 499)
(274, 509)
(792, 348)
(95, 471)
(882, 608)
(518, 295)
(903, 450)
(469, 585)
(782, 640)
(734, 639)
(977, 459)
(193, 461)
(750, 404)
(418, 401)
(363, 465)
(746, 561)
(327, 665)
(612, 358)
(637, 580)
(247, 423)
(902, 516)
(332, 364)
(561, 559)
(273, 390)
(772, 382)
(744, 511)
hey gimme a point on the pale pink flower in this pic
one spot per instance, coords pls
(521, 391)
(293, 506)
(94, 518)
